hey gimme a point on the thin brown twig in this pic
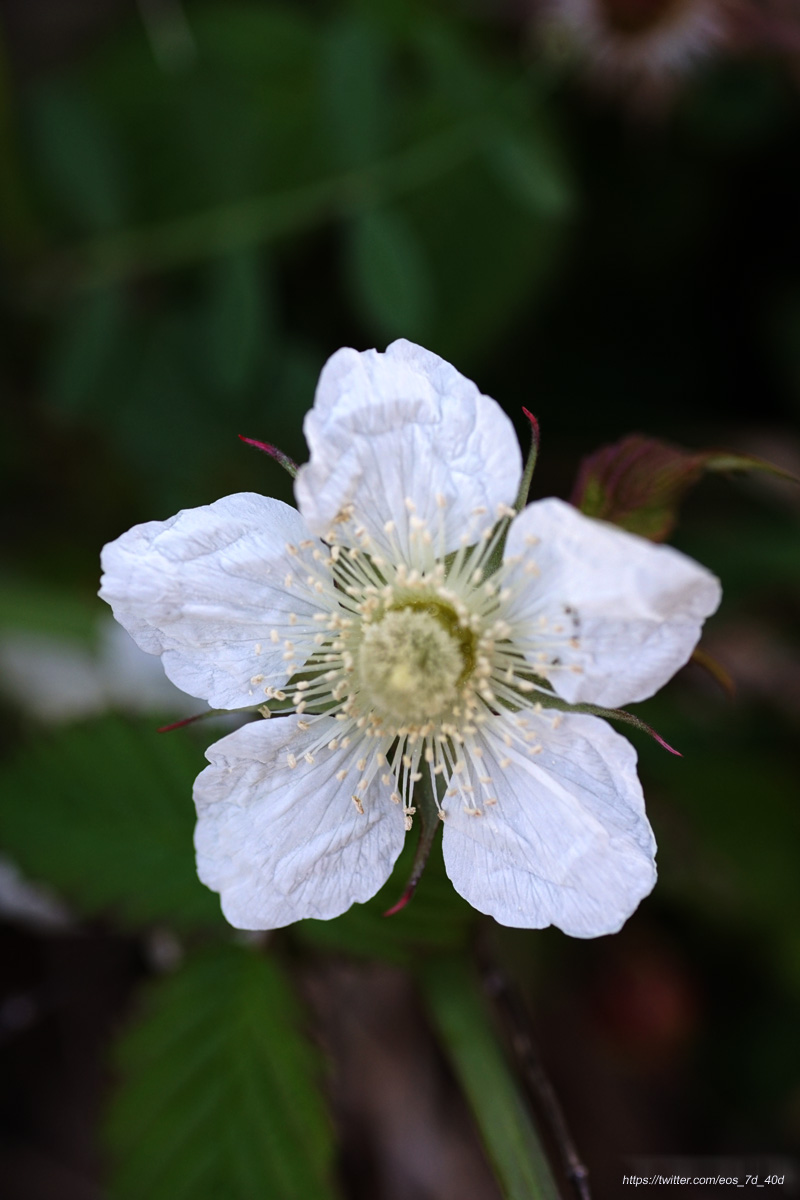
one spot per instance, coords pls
(542, 1094)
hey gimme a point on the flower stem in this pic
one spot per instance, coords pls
(495, 559)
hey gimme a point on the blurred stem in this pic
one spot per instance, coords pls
(496, 557)
(715, 670)
(517, 1024)
(506, 1126)
(110, 258)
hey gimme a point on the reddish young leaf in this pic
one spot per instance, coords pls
(639, 482)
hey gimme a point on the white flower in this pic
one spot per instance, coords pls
(371, 618)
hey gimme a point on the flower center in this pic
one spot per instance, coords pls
(410, 662)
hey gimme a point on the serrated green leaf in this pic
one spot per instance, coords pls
(103, 812)
(389, 273)
(509, 1134)
(639, 482)
(219, 1097)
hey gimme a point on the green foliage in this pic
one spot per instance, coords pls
(103, 812)
(389, 274)
(509, 1135)
(236, 325)
(84, 353)
(402, 135)
(746, 880)
(78, 158)
(526, 160)
(219, 1097)
(727, 823)
(356, 90)
(36, 608)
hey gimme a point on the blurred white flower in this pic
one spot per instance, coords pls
(28, 903)
(370, 617)
(57, 679)
(640, 43)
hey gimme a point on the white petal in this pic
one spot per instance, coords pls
(635, 609)
(279, 843)
(205, 589)
(405, 425)
(567, 842)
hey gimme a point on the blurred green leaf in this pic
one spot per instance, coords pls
(756, 552)
(356, 96)
(115, 137)
(509, 1135)
(752, 879)
(78, 157)
(389, 274)
(435, 919)
(528, 166)
(46, 608)
(727, 820)
(85, 343)
(220, 1095)
(235, 314)
(466, 78)
(271, 47)
(165, 419)
(488, 257)
(103, 812)
(639, 482)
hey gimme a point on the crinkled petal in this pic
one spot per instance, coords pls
(206, 588)
(282, 843)
(405, 426)
(619, 614)
(567, 842)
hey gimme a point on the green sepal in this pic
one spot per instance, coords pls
(549, 700)
(495, 560)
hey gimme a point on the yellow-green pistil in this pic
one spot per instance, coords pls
(412, 660)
